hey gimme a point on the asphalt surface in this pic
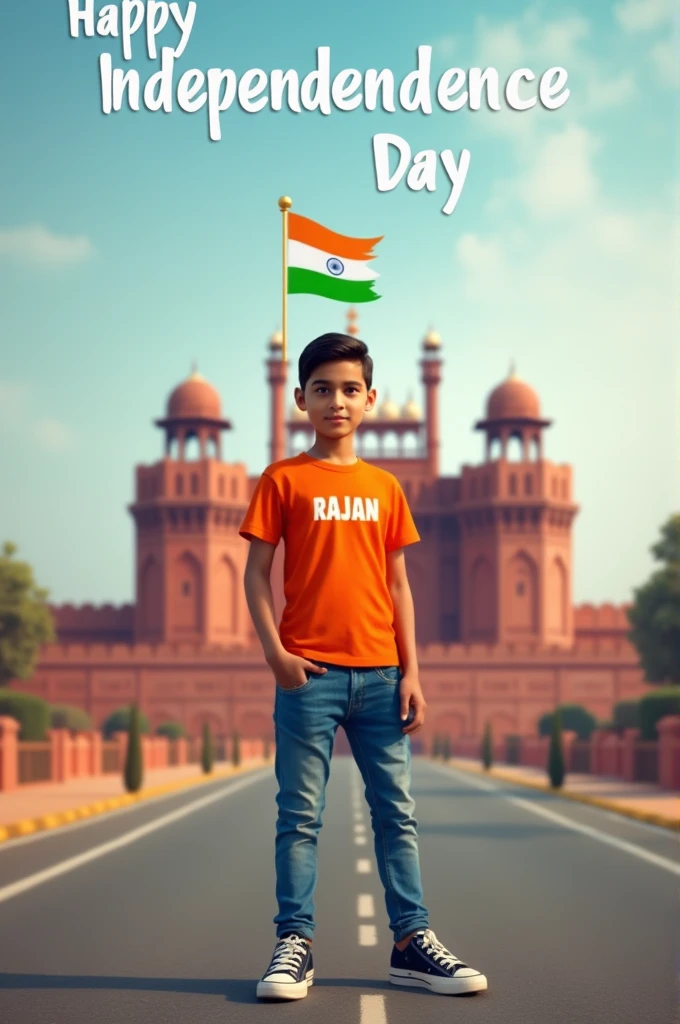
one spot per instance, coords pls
(176, 924)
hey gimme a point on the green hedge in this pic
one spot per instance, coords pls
(656, 705)
(67, 716)
(574, 717)
(626, 714)
(173, 730)
(119, 721)
(32, 713)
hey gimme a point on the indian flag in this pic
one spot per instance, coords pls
(321, 262)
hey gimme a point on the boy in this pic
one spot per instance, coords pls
(346, 655)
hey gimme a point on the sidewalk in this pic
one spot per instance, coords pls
(38, 806)
(633, 799)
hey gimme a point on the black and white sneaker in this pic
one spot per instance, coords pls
(291, 971)
(427, 964)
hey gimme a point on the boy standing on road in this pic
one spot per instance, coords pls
(345, 655)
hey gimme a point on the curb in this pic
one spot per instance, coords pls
(672, 824)
(27, 826)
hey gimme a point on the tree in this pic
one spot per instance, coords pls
(68, 716)
(556, 753)
(445, 749)
(134, 768)
(207, 751)
(25, 620)
(236, 750)
(173, 730)
(487, 747)
(655, 612)
(573, 716)
(436, 745)
(31, 712)
(119, 721)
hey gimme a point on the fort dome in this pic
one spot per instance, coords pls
(389, 410)
(513, 400)
(193, 399)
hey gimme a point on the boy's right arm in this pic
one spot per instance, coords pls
(288, 669)
(259, 596)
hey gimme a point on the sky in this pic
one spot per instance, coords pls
(131, 245)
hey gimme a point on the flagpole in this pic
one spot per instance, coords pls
(285, 204)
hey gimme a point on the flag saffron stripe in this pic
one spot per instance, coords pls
(302, 229)
(310, 282)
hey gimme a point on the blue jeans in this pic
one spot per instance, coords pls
(366, 702)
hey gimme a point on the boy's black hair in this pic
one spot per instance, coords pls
(332, 348)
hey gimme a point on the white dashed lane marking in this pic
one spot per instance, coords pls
(363, 866)
(368, 935)
(366, 905)
(373, 1010)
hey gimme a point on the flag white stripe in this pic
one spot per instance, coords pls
(311, 258)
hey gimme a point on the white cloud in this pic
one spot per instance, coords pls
(34, 243)
(16, 416)
(667, 62)
(480, 256)
(560, 178)
(12, 399)
(446, 45)
(643, 15)
(53, 434)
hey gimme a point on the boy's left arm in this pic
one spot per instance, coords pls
(405, 629)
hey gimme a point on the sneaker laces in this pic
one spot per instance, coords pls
(288, 953)
(439, 953)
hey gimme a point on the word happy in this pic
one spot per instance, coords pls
(365, 509)
(218, 90)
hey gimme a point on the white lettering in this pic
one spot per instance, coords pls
(319, 507)
(333, 509)
(456, 175)
(75, 15)
(321, 79)
(421, 78)
(185, 24)
(381, 160)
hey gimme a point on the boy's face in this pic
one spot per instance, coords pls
(335, 398)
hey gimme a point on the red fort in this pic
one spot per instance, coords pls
(499, 639)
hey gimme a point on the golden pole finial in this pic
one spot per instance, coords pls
(285, 203)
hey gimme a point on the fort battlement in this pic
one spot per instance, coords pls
(89, 623)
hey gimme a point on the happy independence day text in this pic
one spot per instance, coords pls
(218, 88)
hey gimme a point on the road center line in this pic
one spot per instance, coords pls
(373, 1010)
(31, 881)
(365, 905)
(602, 837)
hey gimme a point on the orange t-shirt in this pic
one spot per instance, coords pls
(337, 523)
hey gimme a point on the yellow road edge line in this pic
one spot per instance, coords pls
(26, 826)
(673, 824)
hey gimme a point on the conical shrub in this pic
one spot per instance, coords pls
(435, 745)
(487, 747)
(266, 749)
(235, 750)
(133, 771)
(207, 750)
(556, 753)
(446, 746)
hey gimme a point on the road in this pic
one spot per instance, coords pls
(165, 915)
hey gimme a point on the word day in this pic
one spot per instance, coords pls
(365, 509)
(423, 173)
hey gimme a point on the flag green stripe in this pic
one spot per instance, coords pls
(312, 283)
